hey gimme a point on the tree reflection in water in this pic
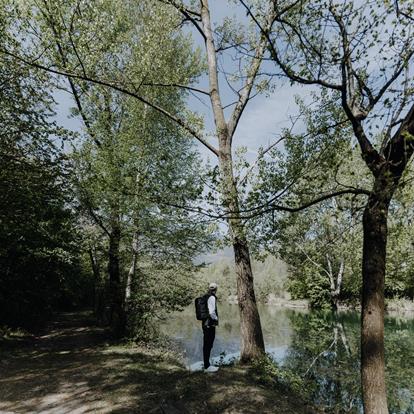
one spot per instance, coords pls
(325, 351)
(321, 348)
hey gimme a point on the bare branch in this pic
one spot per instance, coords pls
(247, 214)
(176, 85)
(401, 147)
(348, 87)
(313, 261)
(354, 113)
(280, 207)
(330, 273)
(291, 74)
(191, 15)
(392, 79)
(118, 88)
(261, 155)
(339, 277)
(216, 103)
(363, 87)
(397, 113)
(63, 57)
(401, 13)
(246, 91)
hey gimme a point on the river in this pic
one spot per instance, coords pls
(320, 348)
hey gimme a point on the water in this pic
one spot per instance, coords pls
(322, 349)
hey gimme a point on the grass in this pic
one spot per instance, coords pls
(74, 367)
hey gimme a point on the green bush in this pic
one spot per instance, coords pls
(267, 372)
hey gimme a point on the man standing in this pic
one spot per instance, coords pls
(209, 327)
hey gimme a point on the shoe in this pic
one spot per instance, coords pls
(211, 368)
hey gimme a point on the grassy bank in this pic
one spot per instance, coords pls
(74, 367)
(235, 389)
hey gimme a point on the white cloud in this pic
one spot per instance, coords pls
(265, 118)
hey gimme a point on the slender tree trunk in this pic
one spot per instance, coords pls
(132, 270)
(336, 283)
(117, 316)
(96, 282)
(372, 322)
(252, 344)
(95, 265)
(342, 334)
(134, 246)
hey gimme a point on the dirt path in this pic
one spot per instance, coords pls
(72, 368)
(62, 371)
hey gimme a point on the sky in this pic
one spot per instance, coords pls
(264, 116)
(262, 121)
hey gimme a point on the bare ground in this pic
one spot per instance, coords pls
(74, 368)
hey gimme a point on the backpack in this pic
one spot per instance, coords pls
(201, 308)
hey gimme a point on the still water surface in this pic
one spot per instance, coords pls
(321, 348)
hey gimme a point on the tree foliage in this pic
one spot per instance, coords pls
(39, 261)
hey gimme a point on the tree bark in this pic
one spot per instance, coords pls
(388, 172)
(252, 343)
(336, 285)
(96, 282)
(132, 271)
(117, 315)
(372, 320)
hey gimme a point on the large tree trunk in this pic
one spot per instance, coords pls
(387, 167)
(388, 172)
(372, 322)
(252, 344)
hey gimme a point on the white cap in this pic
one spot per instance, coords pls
(212, 286)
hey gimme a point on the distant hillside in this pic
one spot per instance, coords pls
(269, 277)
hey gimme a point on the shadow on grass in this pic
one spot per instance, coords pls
(74, 368)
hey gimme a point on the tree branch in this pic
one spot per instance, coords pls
(122, 89)
(215, 98)
(401, 13)
(395, 75)
(177, 85)
(244, 95)
(58, 39)
(401, 147)
(356, 115)
(188, 14)
(260, 156)
(281, 207)
(313, 261)
(275, 56)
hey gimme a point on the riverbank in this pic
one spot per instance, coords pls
(74, 367)
(276, 301)
(400, 306)
(392, 306)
